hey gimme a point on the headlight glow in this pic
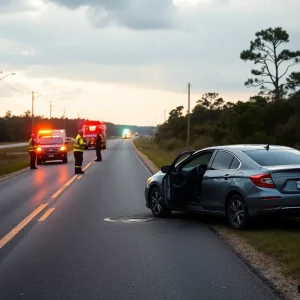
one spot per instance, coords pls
(63, 148)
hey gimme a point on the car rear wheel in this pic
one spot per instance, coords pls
(237, 212)
(157, 204)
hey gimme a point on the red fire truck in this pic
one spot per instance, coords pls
(90, 130)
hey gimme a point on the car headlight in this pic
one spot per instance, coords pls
(63, 148)
(149, 180)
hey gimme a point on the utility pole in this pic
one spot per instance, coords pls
(32, 109)
(165, 116)
(189, 124)
(64, 118)
(50, 108)
(32, 113)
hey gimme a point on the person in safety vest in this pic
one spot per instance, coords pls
(99, 144)
(32, 152)
(78, 148)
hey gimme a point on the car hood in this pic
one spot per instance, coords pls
(158, 176)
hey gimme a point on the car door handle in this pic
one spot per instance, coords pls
(227, 177)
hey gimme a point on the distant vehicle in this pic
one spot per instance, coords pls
(52, 148)
(126, 134)
(90, 130)
(238, 181)
(136, 134)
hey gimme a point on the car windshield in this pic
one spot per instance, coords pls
(51, 140)
(275, 157)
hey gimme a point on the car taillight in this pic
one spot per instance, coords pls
(39, 149)
(63, 148)
(263, 180)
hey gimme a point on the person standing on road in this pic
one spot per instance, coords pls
(79, 145)
(32, 152)
(99, 144)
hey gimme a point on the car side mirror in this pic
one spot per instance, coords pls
(165, 169)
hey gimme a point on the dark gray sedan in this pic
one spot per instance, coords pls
(238, 181)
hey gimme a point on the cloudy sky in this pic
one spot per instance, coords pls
(127, 61)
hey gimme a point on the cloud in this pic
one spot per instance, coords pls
(59, 44)
(11, 6)
(133, 14)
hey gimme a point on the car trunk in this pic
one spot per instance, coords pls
(286, 178)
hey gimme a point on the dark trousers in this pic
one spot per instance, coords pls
(98, 153)
(78, 160)
(32, 159)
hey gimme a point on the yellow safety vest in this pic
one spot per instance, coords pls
(78, 144)
(31, 147)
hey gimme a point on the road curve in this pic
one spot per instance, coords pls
(79, 252)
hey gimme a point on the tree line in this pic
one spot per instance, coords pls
(271, 116)
(18, 128)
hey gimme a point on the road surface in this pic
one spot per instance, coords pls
(13, 145)
(76, 247)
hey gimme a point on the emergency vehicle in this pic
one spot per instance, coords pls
(52, 145)
(90, 130)
(126, 134)
(52, 132)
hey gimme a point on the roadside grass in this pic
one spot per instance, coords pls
(279, 238)
(9, 143)
(17, 158)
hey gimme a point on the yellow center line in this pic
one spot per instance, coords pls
(87, 166)
(29, 218)
(21, 225)
(46, 214)
(63, 187)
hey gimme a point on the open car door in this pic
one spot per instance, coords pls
(174, 182)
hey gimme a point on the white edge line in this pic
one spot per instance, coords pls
(141, 160)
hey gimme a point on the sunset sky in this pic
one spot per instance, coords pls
(127, 61)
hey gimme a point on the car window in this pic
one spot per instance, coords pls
(182, 158)
(197, 161)
(50, 140)
(222, 161)
(274, 157)
(235, 163)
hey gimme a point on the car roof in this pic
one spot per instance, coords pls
(51, 136)
(248, 147)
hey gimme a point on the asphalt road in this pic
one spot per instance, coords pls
(78, 253)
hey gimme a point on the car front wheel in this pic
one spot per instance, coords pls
(237, 212)
(157, 204)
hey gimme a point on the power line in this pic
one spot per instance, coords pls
(223, 68)
(12, 87)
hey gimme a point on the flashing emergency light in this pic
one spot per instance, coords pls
(45, 131)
